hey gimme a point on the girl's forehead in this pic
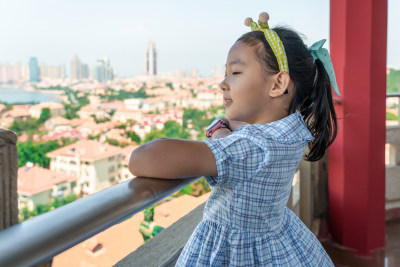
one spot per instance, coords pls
(240, 54)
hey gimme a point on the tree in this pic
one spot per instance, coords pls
(153, 134)
(198, 117)
(173, 129)
(28, 126)
(45, 114)
(36, 152)
(134, 137)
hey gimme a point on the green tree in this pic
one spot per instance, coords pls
(28, 126)
(393, 81)
(153, 134)
(36, 152)
(58, 202)
(198, 117)
(45, 114)
(134, 137)
(173, 129)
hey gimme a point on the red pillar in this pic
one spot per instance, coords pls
(358, 31)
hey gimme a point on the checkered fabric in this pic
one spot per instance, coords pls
(245, 220)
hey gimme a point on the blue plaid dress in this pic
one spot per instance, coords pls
(245, 220)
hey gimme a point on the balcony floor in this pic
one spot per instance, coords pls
(388, 256)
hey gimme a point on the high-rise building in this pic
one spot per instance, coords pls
(25, 72)
(17, 72)
(33, 69)
(151, 59)
(85, 71)
(103, 71)
(43, 71)
(76, 68)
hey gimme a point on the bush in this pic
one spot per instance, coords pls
(391, 116)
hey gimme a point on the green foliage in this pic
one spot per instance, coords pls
(83, 101)
(391, 116)
(28, 126)
(71, 111)
(172, 129)
(197, 188)
(121, 126)
(112, 142)
(99, 120)
(94, 137)
(170, 86)
(36, 152)
(141, 93)
(115, 142)
(153, 134)
(393, 81)
(43, 208)
(198, 118)
(45, 114)
(134, 137)
(58, 202)
(112, 94)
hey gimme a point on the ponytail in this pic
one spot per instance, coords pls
(319, 114)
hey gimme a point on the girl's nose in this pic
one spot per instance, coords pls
(223, 85)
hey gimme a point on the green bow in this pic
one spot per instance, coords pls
(322, 54)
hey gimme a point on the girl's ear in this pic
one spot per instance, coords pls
(280, 84)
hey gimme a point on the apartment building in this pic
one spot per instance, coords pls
(37, 185)
(96, 165)
(56, 109)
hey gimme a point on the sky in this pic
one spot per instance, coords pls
(188, 34)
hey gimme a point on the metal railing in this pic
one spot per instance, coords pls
(39, 239)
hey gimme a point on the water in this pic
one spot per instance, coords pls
(19, 95)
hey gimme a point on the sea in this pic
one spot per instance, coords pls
(19, 95)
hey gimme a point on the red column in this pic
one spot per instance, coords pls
(358, 31)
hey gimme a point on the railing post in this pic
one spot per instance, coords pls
(8, 179)
(394, 154)
(306, 192)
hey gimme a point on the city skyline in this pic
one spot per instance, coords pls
(185, 38)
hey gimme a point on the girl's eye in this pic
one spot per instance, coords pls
(235, 73)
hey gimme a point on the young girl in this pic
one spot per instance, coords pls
(281, 90)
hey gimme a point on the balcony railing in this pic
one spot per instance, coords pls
(39, 239)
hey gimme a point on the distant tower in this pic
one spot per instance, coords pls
(33, 69)
(103, 71)
(151, 60)
(76, 68)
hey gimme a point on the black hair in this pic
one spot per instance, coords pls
(312, 88)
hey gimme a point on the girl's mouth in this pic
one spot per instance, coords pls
(227, 102)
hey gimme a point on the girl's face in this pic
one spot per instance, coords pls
(245, 87)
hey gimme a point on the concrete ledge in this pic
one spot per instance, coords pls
(164, 249)
(393, 183)
(393, 134)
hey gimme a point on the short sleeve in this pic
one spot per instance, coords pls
(237, 158)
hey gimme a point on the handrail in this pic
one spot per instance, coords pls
(397, 94)
(39, 239)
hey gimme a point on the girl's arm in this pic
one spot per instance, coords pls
(175, 158)
(172, 158)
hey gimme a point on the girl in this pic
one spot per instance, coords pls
(282, 91)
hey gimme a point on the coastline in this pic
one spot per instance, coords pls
(18, 94)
